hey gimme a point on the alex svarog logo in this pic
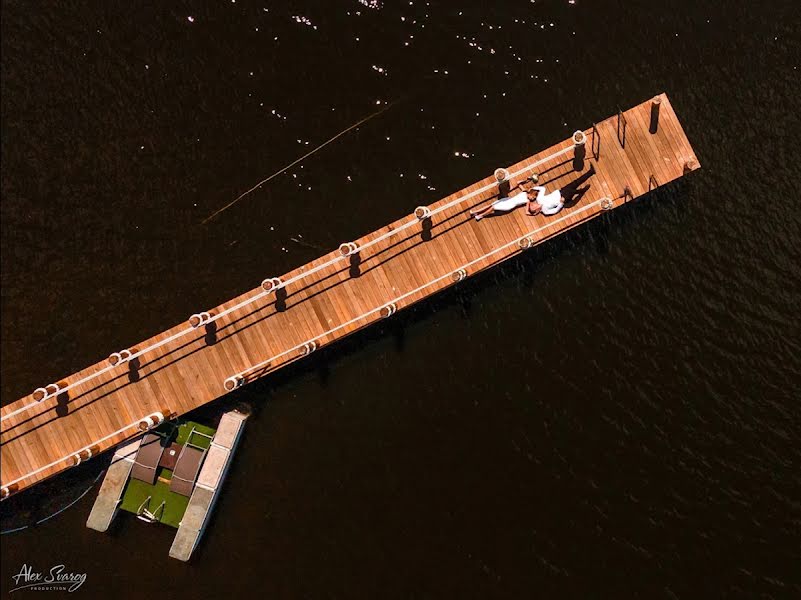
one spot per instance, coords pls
(56, 579)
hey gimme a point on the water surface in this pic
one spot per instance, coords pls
(614, 414)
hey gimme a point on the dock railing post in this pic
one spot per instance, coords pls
(579, 150)
(621, 128)
(596, 142)
(654, 124)
(504, 185)
(388, 310)
(348, 248)
(271, 284)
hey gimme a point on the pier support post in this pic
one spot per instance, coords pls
(348, 248)
(117, 358)
(458, 275)
(308, 348)
(422, 213)
(150, 421)
(233, 382)
(607, 203)
(271, 284)
(89, 452)
(690, 165)
(504, 184)
(525, 243)
(7, 490)
(388, 310)
(202, 318)
(50, 390)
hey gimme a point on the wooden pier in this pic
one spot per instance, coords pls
(291, 315)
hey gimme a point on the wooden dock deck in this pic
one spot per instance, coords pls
(93, 410)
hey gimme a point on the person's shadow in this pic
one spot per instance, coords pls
(575, 190)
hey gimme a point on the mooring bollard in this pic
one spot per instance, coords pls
(199, 319)
(151, 421)
(50, 390)
(233, 382)
(422, 212)
(458, 275)
(348, 248)
(7, 490)
(388, 310)
(271, 284)
(504, 184)
(117, 358)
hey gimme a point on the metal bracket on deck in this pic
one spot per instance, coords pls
(627, 194)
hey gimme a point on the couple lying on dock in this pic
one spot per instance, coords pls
(531, 195)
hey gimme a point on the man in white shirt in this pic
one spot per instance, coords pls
(547, 204)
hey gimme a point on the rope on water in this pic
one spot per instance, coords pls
(58, 512)
(292, 164)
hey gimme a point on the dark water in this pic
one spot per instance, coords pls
(615, 414)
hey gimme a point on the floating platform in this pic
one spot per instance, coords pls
(291, 315)
(110, 495)
(171, 476)
(207, 489)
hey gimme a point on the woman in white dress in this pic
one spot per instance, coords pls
(534, 197)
